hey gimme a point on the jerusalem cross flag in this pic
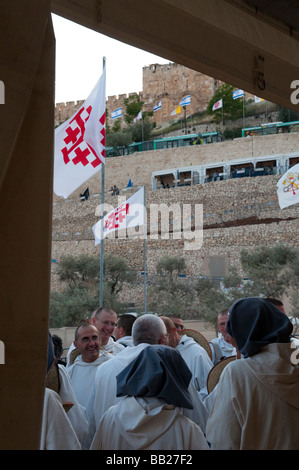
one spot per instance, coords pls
(80, 143)
(131, 213)
(217, 105)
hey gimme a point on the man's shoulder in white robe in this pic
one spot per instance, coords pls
(113, 347)
(198, 362)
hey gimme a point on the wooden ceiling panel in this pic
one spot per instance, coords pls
(228, 40)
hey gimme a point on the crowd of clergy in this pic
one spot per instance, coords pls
(141, 383)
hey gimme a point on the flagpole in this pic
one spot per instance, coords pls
(222, 112)
(144, 253)
(102, 224)
(142, 132)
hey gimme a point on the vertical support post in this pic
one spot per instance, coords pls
(102, 226)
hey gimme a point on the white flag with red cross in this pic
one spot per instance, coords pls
(217, 105)
(80, 143)
(130, 213)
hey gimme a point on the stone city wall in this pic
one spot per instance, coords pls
(172, 82)
(237, 213)
(168, 82)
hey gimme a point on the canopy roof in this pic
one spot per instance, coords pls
(249, 44)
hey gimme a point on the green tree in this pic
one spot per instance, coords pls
(141, 130)
(270, 270)
(78, 270)
(71, 305)
(266, 272)
(117, 273)
(211, 300)
(117, 126)
(170, 294)
(122, 138)
(232, 109)
(287, 115)
(133, 106)
(81, 279)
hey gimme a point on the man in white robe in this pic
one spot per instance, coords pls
(82, 372)
(257, 401)
(123, 329)
(77, 414)
(221, 347)
(198, 362)
(194, 355)
(149, 417)
(58, 380)
(147, 329)
(57, 432)
(199, 413)
(105, 320)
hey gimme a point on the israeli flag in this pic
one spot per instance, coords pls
(186, 100)
(116, 114)
(158, 106)
(238, 94)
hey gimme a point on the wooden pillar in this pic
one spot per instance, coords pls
(27, 56)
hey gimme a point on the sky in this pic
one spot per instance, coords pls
(79, 62)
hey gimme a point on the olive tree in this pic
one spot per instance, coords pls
(80, 285)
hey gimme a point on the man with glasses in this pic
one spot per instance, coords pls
(105, 320)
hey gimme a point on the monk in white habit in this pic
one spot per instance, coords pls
(57, 432)
(257, 401)
(221, 347)
(198, 361)
(82, 372)
(194, 355)
(199, 413)
(149, 417)
(59, 381)
(147, 329)
(105, 320)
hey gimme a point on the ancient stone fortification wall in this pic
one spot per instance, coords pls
(226, 205)
(172, 82)
(237, 213)
(169, 82)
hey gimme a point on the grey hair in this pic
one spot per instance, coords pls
(148, 329)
